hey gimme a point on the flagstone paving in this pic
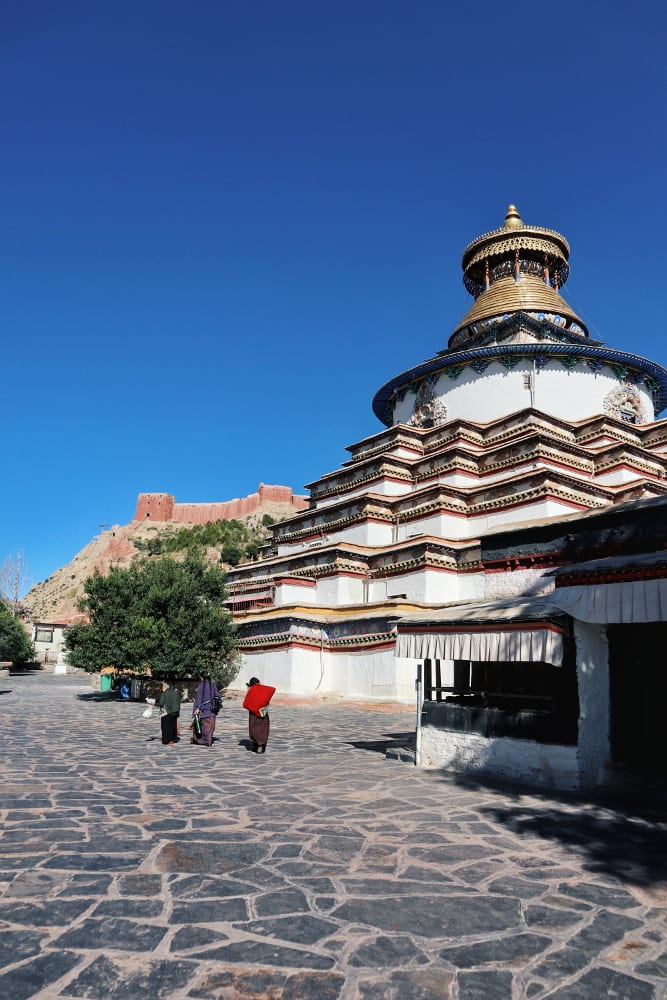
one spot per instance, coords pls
(320, 870)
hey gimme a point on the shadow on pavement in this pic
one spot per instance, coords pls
(623, 834)
(104, 696)
(381, 746)
(7, 691)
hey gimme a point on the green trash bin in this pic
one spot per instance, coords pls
(105, 682)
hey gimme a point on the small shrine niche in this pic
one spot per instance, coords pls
(429, 411)
(624, 404)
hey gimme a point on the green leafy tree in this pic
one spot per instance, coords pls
(157, 614)
(15, 646)
(235, 540)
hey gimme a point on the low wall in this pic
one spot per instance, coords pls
(550, 764)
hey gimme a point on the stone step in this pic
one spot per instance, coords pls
(405, 754)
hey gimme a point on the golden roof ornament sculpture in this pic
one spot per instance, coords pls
(516, 268)
(512, 219)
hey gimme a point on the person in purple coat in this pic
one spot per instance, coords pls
(204, 711)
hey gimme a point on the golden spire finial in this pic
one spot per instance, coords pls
(512, 220)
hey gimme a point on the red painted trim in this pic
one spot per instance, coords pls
(294, 581)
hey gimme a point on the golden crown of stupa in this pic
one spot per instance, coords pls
(516, 268)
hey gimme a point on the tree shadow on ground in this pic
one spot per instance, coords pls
(390, 740)
(621, 833)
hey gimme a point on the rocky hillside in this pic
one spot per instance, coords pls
(57, 598)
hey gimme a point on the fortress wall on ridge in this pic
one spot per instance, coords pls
(163, 506)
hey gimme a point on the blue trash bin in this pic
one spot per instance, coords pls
(124, 689)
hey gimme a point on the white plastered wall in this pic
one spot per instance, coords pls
(380, 486)
(594, 747)
(461, 526)
(290, 594)
(304, 671)
(519, 583)
(571, 394)
(371, 533)
(374, 675)
(520, 760)
(340, 589)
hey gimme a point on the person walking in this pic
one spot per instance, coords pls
(204, 711)
(170, 708)
(257, 701)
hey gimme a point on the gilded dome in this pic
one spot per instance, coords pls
(516, 268)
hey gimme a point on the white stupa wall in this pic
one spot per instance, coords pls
(382, 486)
(617, 477)
(460, 527)
(571, 394)
(428, 586)
(368, 533)
(289, 593)
(340, 589)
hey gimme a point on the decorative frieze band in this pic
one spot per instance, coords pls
(339, 644)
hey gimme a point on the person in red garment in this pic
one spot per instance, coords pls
(257, 702)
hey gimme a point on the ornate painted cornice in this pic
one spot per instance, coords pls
(532, 448)
(369, 512)
(376, 640)
(527, 424)
(348, 479)
(396, 436)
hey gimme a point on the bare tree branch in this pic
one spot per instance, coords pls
(14, 575)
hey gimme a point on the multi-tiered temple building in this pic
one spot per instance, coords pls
(444, 543)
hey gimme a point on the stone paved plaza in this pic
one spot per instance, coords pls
(320, 870)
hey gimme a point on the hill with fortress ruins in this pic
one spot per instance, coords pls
(157, 516)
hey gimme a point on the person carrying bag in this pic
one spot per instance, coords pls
(256, 702)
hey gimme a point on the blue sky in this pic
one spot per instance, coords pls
(226, 223)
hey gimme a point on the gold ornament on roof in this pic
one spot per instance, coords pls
(512, 219)
(515, 268)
